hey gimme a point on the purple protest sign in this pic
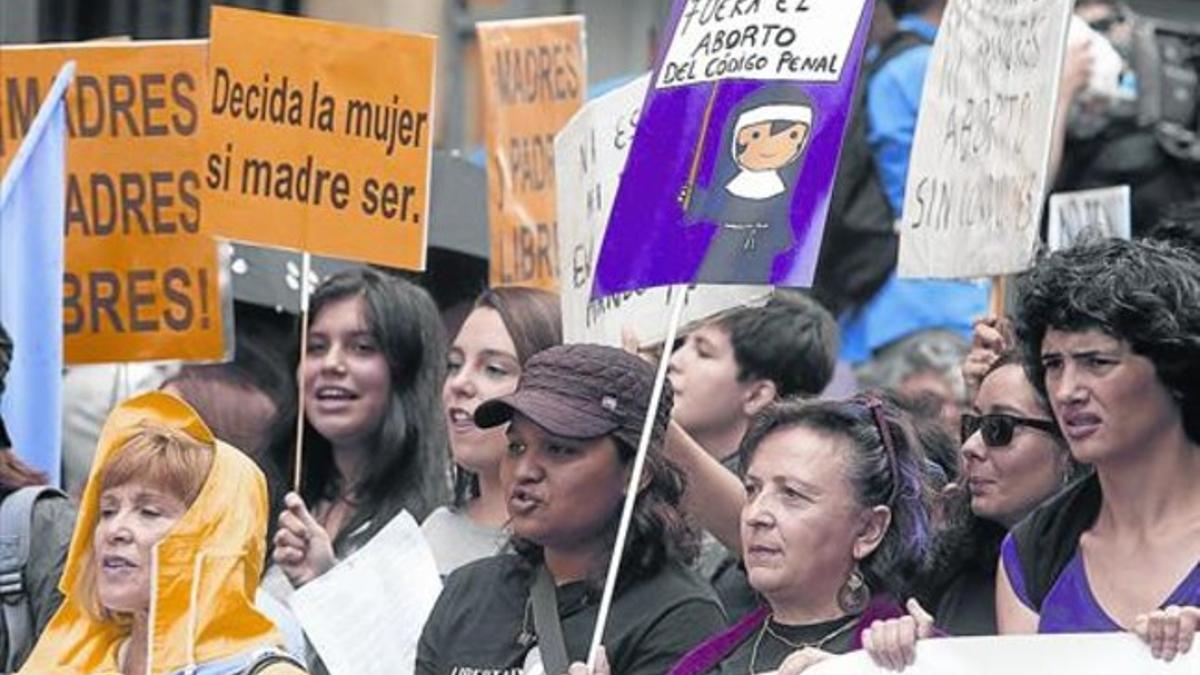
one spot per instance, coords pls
(733, 162)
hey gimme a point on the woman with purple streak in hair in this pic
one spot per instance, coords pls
(835, 532)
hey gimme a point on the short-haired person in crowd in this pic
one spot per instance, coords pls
(835, 532)
(506, 327)
(166, 555)
(734, 365)
(374, 432)
(52, 520)
(1111, 334)
(573, 426)
(924, 366)
(1014, 458)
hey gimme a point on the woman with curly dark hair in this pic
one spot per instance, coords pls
(835, 532)
(573, 425)
(1111, 335)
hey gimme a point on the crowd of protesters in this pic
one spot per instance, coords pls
(983, 475)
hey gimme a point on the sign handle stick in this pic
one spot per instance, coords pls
(305, 265)
(639, 461)
(699, 151)
(999, 289)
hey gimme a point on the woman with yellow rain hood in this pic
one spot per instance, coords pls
(166, 556)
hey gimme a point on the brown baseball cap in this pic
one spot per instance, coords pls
(581, 392)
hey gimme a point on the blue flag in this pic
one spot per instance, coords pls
(32, 212)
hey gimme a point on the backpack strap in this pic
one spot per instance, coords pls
(270, 657)
(896, 44)
(16, 523)
(547, 622)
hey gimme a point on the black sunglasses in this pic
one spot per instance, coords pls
(1105, 24)
(997, 428)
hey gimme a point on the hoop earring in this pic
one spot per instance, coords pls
(854, 595)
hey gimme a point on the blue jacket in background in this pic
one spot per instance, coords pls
(903, 306)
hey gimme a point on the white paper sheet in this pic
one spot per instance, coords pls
(365, 616)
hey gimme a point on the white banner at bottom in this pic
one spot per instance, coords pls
(1087, 654)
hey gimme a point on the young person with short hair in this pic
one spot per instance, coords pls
(734, 365)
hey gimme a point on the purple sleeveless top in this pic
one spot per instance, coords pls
(1070, 607)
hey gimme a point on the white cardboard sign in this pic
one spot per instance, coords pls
(806, 40)
(590, 153)
(1087, 215)
(978, 172)
(1090, 654)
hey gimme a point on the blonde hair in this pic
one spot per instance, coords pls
(157, 456)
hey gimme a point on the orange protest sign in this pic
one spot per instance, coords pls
(141, 278)
(318, 136)
(535, 79)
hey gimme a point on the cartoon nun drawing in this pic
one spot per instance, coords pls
(749, 197)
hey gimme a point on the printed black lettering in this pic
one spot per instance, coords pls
(140, 299)
(180, 310)
(121, 99)
(153, 100)
(104, 291)
(183, 88)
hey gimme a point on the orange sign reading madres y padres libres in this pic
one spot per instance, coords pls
(535, 79)
(318, 136)
(141, 274)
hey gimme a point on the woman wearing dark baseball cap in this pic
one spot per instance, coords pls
(574, 424)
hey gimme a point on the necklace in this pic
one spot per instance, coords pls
(526, 637)
(819, 644)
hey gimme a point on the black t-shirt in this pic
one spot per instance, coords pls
(763, 650)
(476, 625)
(733, 588)
(964, 579)
(728, 577)
(968, 606)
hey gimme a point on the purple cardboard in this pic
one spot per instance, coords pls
(735, 224)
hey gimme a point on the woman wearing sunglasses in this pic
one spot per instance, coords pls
(1014, 458)
(1111, 332)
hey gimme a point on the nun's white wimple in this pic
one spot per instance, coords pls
(775, 113)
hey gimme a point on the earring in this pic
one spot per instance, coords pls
(854, 595)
